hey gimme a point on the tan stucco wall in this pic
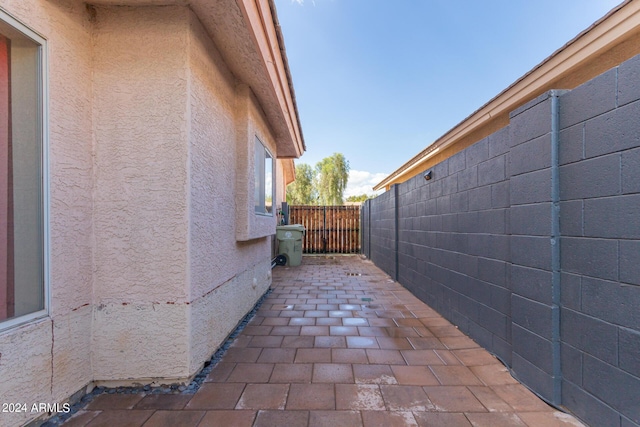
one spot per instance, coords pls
(49, 360)
(147, 129)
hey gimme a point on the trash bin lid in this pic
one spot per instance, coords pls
(291, 227)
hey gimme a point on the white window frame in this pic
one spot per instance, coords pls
(261, 153)
(43, 70)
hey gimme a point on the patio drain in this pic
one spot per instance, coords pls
(192, 388)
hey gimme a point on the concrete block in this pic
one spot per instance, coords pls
(492, 170)
(531, 283)
(571, 291)
(534, 348)
(591, 335)
(630, 261)
(530, 156)
(468, 178)
(629, 351)
(613, 217)
(535, 378)
(449, 222)
(489, 245)
(501, 300)
(493, 221)
(531, 315)
(571, 363)
(588, 408)
(590, 257)
(480, 198)
(477, 152)
(611, 302)
(502, 349)
(460, 201)
(614, 131)
(530, 121)
(441, 170)
(599, 177)
(450, 184)
(500, 196)
(467, 264)
(493, 321)
(630, 168)
(435, 188)
(531, 251)
(531, 219)
(492, 271)
(613, 386)
(481, 335)
(499, 142)
(590, 99)
(629, 81)
(571, 218)
(625, 422)
(457, 162)
(571, 145)
(532, 187)
(443, 204)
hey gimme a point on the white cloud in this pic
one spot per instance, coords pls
(362, 182)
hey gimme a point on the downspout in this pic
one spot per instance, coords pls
(555, 248)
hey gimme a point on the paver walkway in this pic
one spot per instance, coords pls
(338, 343)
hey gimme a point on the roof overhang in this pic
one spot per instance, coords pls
(249, 38)
(605, 44)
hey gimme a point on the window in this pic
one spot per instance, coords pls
(263, 174)
(22, 212)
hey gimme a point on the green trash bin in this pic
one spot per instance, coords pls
(290, 242)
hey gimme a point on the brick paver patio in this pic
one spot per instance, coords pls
(338, 343)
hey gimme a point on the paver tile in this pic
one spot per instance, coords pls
(349, 355)
(292, 373)
(414, 375)
(263, 396)
(175, 418)
(389, 357)
(455, 375)
(216, 396)
(282, 418)
(335, 419)
(453, 399)
(359, 397)
(114, 401)
(495, 419)
(332, 373)
(251, 373)
(121, 418)
(373, 374)
(164, 401)
(388, 419)
(405, 398)
(444, 419)
(311, 397)
(277, 355)
(235, 418)
(313, 355)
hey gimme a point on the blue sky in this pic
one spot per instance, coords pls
(379, 80)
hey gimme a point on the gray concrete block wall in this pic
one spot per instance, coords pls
(474, 243)
(600, 192)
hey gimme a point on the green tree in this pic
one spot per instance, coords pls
(302, 191)
(332, 174)
(360, 198)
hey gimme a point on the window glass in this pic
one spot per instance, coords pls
(21, 174)
(263, 178)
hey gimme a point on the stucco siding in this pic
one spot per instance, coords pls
(226, 276)
(57, 348)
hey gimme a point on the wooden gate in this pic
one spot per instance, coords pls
(330, 229)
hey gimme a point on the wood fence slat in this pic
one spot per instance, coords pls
(330, 229)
